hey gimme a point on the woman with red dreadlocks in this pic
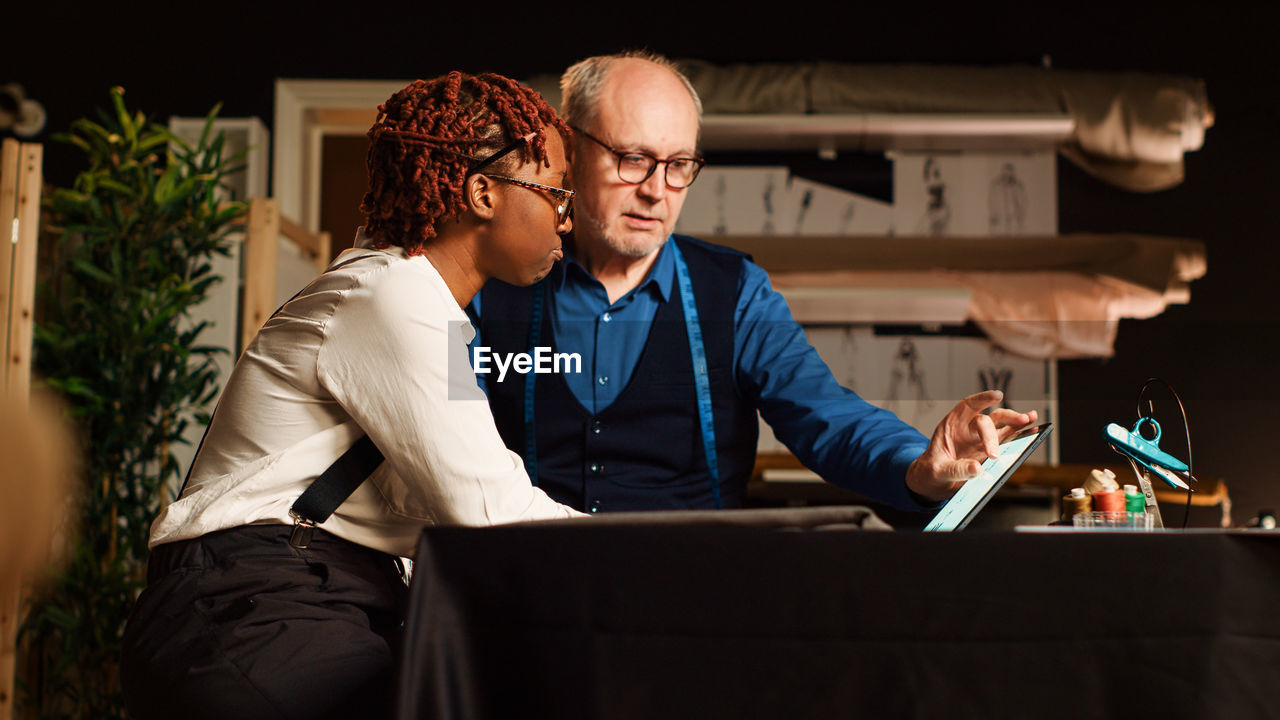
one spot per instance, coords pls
(353, 419)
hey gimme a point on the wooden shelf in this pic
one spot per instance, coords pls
(1039, 296)
(802, 485)
(1210, 492)
(1157, 263)
(844, 132)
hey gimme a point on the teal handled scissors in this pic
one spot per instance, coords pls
(1147, 453)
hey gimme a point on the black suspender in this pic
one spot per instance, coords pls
(332, 488)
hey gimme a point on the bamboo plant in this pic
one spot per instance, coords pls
(132, 242)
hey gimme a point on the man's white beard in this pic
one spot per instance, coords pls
(620, 247)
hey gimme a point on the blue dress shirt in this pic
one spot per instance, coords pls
(837, 434)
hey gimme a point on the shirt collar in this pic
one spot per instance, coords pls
(661, 275)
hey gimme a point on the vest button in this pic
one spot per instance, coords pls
(596, 427)
(595, 467)
(594, 507)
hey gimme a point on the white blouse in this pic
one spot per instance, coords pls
(377, 346)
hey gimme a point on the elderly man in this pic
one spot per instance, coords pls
(681, 341)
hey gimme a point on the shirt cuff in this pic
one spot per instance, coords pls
(909, 500)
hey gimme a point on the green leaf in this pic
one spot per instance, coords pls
(74, 140)
(213, 157)
(237, 158)
(153, 140)
(164, 187)
(91, 130)
(122, 115)
(92, 271)
(116, 186)
(59, 617)
(235, 169)
(185, 189)
(208, 124)
(232, 211)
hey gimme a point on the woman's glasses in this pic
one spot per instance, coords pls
(563, 198)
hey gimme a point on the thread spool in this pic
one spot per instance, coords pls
(1101, 481)
(1077, 501)
(1109, 501)
(1134, 501)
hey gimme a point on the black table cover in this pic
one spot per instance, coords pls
(809, 614)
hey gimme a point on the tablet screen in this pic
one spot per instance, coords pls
(975, 492)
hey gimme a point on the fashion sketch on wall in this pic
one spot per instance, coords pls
(975, 194)
(1007, 202)
(937, 210)
(906, 396)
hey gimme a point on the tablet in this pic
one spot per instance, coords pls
(974, 494)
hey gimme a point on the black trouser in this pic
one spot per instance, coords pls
(239, 624)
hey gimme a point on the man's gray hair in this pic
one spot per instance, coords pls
(580, 85)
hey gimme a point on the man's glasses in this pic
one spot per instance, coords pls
(563, 198)
(634, 166)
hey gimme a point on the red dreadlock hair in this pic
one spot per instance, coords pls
(426, 138)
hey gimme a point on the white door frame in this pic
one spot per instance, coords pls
(299, 135)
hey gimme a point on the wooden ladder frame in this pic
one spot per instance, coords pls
(261, 261)
(21, 177)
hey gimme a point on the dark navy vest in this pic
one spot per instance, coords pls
(644, 451)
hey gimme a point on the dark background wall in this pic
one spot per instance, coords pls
(1216, 351)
